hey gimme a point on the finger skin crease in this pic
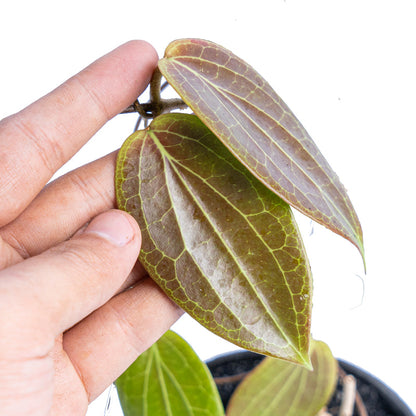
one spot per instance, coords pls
(130, 332)
(11, 252)
(80, 376)
(75, 198)
(48, 149)
(103, 112)
(91, 191)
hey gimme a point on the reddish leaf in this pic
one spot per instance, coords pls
(246, 114)
(217, 241)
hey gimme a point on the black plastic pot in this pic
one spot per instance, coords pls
(379, 399)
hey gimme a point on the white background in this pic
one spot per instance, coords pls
(345, 68)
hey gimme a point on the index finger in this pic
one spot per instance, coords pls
(39, 139)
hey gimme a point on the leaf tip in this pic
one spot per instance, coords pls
(360, 247)
(358, 242)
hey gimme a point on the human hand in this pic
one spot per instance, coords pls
(68, 326)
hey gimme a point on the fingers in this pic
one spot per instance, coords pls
(74, 199)
(8, 255)
(39, 139)
(117, 333)
(61, 286)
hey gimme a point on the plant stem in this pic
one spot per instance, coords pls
(155, 87)
(156, 105)
(362, 411)
(348, 396)
(230, 379)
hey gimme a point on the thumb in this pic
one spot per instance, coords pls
(61, 286)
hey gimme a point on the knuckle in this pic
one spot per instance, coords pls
(92, 192)
(92, 97)
(49, 151)
(84, 259)
(128, 330)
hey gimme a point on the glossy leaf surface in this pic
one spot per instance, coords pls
(220, 244)
(277, 387)
(168, 379)
(247, 115)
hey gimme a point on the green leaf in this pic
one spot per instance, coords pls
(277, 387)
(247, 115)
(169, 379)
(219, 243)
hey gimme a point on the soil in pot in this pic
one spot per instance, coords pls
(378, 400)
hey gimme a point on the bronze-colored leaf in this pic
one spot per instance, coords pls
(276, 387)
(247, 115)
(217, 241)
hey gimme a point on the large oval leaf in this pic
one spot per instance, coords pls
(247, 115)
(217, 241)
(276, 387)
(168, 379)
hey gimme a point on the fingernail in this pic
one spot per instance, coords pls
(113, 226)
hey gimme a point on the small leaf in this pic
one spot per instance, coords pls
(169, 379)
(218, 242)
(247, 115)
(277, 387)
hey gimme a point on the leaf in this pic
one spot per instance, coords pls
(247, 115)
(219, 243)
(277, 387)
(169, 379)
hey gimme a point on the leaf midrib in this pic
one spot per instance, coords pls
(160, 376)
(224, 93)
(265, 305)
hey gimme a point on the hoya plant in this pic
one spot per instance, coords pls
(213, 190)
